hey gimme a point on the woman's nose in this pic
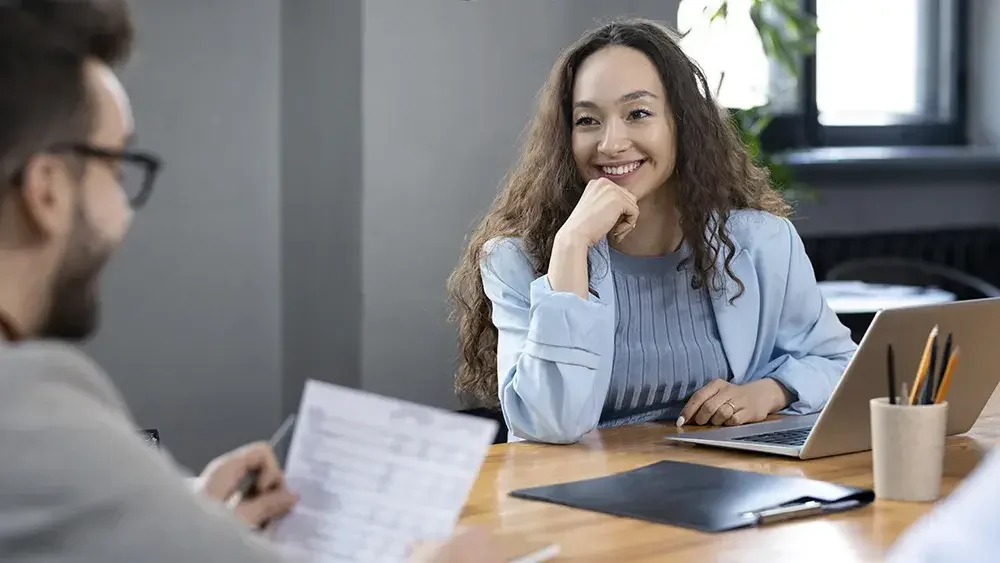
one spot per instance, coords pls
(615, 139)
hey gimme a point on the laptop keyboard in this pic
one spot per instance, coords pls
(795, 437)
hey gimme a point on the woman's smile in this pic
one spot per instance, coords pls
(620, 172)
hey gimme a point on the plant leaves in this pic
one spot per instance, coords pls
(722, 12)
(786, 34)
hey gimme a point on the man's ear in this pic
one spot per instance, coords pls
(45, 193)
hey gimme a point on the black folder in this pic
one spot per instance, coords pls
(700, 497)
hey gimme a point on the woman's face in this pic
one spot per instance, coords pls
(623, 128)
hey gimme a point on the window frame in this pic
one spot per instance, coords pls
(803, 130)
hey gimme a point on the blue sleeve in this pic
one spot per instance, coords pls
(551, 382)
(812, 346)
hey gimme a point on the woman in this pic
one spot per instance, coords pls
(638, 266)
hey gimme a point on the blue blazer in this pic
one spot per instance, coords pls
(555, 350)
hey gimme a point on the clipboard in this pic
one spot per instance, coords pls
(702, 497)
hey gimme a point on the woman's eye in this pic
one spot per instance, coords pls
(638, 114)
(585, 121)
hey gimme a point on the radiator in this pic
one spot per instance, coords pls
(975, 251)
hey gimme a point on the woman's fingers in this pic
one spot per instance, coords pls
(697, 401)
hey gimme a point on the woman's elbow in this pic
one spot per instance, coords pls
(554, 436)
(549, 426)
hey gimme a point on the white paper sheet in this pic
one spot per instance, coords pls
(375, 475)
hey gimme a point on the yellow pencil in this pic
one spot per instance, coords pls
(922, 370)
(946, 379)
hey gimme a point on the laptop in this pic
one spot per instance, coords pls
(843, 426)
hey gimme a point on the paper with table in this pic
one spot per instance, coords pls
(376, 475)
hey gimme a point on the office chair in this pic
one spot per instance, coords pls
(901, 271)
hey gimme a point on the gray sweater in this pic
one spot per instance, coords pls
(667, 344)
(78, 483)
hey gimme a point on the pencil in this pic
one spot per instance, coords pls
(922, 370)
(891, 368)
(949, 372)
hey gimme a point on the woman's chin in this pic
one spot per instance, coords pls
(641, 190)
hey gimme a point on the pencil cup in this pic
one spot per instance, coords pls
(908, 450)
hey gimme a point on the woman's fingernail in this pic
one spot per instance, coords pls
(680, 421)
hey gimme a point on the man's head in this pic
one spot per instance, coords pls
(65, 122)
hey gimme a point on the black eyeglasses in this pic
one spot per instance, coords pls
(136, 171)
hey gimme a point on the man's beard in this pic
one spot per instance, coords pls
(74, 306)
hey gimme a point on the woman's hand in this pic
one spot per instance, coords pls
(722, 403)
(604, 208)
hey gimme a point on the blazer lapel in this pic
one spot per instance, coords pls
(602, 285)
(737, 322)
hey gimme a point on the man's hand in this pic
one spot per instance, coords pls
(722, 403)
(273, 499)
(466, 546)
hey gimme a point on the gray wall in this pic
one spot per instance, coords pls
(192, 318)
(325, 161)
(863, 208)
(321, 186)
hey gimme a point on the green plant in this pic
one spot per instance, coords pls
(786, 34)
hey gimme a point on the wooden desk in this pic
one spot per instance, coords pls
(858, 535)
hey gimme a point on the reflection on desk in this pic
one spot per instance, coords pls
(860, 535)
(860, 297)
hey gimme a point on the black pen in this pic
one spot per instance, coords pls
(891, 367)
(930, 385)
(944, 365)
(250, 479)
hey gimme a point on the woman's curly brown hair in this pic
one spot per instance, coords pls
(713, 175)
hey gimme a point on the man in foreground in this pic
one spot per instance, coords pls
(77, 482)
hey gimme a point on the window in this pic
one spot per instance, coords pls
(883, 73)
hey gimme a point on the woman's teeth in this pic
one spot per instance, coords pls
(621, 170)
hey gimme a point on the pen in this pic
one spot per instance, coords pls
(248, 480)
(945, 358)
(922, 370)
(930, 387)
(949, 372)
(891, 367)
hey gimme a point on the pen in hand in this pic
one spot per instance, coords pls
(248, 481)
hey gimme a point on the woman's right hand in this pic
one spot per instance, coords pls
(605, 208)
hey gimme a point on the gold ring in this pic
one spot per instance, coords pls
(730, 406)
